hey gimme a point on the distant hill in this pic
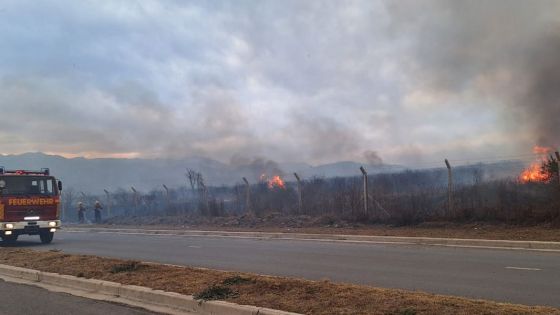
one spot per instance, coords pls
(347, 168)
(99, 174)
(94, 175)
(145, 174)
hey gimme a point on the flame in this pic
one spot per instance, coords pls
(534, 172)
(276, 181)
(541, 150)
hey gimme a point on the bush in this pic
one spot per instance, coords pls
(128, 266)
(215, 292)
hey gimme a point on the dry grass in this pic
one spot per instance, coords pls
(303, 296)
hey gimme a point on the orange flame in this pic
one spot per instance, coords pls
(275, 181)
(541, 150)
(534, 172)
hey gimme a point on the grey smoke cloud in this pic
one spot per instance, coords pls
(372, 158)
(258, 168)
(505, 51)
(540, 100)
(314, 81)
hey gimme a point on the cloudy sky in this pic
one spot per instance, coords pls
(294, 81)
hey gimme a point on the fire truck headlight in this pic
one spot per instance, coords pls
(52, 223)
(8, 233)
(9, 226)
(53, 230)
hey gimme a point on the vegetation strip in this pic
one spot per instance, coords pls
(288, 294)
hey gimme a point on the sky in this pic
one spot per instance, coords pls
(402, 82)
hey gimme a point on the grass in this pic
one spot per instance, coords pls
(289, 294)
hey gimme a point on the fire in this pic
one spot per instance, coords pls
(541, 150)
(275, 181)
(534, 172)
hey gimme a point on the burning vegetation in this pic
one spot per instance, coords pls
(541, 170)
(274, 181)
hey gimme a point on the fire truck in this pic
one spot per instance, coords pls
(29, 204)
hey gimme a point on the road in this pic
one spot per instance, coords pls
(25, 299)
(517, 276)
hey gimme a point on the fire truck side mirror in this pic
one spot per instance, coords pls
(2, 184)
(59, 185)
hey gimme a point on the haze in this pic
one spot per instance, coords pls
(291, 81)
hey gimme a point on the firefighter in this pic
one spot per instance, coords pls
(81, 212)
(97, 208)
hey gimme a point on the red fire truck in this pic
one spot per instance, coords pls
(29, 204)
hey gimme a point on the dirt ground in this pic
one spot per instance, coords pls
(289, 294)
(328, 225)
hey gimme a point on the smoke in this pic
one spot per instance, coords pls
(498, 52)
(372, 158)
(540, 101)
(324, 137)
(255, 167)
(292, 81)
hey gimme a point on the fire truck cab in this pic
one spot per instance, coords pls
(29, 204)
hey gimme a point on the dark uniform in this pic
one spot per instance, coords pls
(81, 213)
(97, 210)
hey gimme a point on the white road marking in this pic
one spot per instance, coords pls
(194, 246)
(523, 268)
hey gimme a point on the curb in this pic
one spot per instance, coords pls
(146, 296)
(457, 242)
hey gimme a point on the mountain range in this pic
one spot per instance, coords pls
(96, 174)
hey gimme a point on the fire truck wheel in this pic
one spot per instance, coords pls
(46, 236)
(9, 238)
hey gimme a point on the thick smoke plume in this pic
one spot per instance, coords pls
(256, 168)
(293, 81)
(372, 158)
(501, 52)
(541, 99)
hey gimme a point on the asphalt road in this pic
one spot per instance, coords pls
(18, 299)
(517, 276)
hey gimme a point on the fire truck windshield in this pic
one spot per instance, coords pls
(28, 185)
